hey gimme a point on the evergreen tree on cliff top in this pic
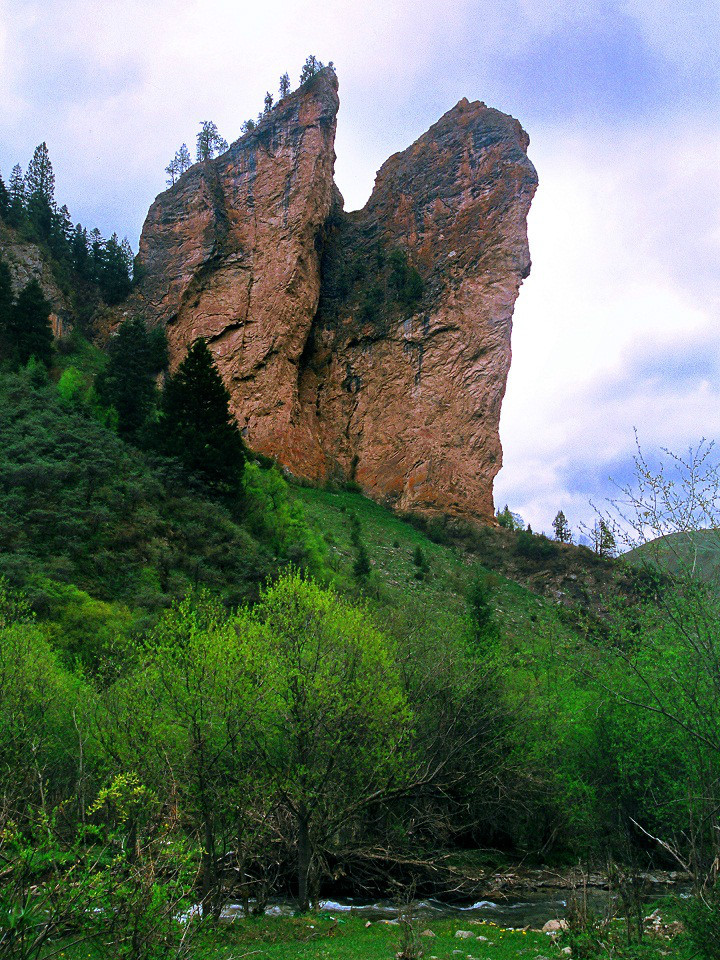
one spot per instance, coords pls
(311, 66)
(196, 425)
(209, 141)
(40, 191)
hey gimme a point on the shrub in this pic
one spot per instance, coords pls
(701, 915)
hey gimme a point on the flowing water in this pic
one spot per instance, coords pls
(524, 909)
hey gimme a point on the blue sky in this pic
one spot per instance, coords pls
(617, 327)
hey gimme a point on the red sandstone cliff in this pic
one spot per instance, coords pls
(371, 346)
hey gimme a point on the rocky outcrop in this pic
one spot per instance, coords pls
(27, 262)
(232, 254)
(372, 346)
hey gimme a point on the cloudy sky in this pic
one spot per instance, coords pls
(616, 329)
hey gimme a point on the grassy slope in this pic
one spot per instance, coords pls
(696, 552)
(440, 594)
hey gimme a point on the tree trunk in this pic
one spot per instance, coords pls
(303, 859)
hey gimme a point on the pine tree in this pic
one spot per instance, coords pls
(136, 356)
(79, 252)
(4, 200)
(40, 191)
(562, 528)
(603, 539)
(209, 141)
(40, 178)
(6, 296)
(178, 165)
(268, 102)
(284, 85)
(196, 425)
(29, 330)
(172, 172)
(183, 159)
(116, 271)
(311, 66)
(17, 196)
(61, 232)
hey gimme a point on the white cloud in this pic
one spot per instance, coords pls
(623, 296)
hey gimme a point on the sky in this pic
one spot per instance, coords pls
(617, 329)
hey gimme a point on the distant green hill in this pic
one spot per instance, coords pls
(695, 552)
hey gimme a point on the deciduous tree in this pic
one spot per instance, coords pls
(338, 718)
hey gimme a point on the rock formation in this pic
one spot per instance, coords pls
(372, 346)
(27, 262)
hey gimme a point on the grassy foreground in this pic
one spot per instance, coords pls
(324, 937)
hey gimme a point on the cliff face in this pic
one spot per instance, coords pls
(27, 262)
(232, 254)
(371, 346)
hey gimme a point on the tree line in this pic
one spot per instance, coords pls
(208, 141)
(81, 259)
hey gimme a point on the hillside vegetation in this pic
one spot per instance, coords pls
(218, 685)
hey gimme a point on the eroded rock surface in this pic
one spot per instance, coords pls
(27, 262)
(372, 346)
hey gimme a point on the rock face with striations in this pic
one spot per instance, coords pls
(372, 346)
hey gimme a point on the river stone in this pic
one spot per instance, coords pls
(554, 926)
(428, 933)
(464, 934)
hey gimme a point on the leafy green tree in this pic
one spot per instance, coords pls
(284, 86)
(509, 520)
(336, 721)
(136, 356)
(196, 425)
(209, 141)
(188, 717)
(29, 333)
(562, 528)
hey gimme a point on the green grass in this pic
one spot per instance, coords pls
(439, 595)
(322, 937)
(315, 938)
